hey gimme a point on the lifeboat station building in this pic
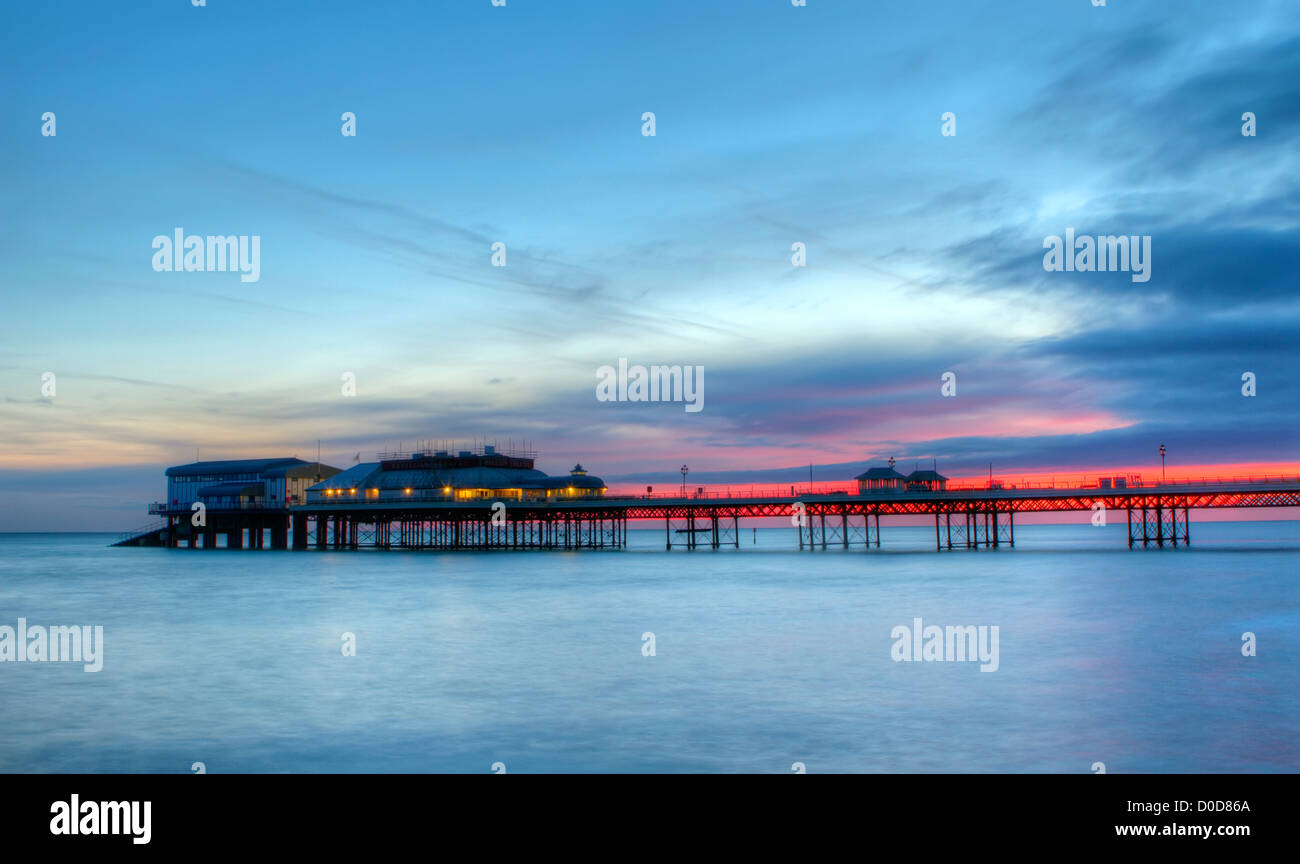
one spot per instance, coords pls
(234, 498)
(242, 484)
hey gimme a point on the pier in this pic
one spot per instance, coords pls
(1157, 516)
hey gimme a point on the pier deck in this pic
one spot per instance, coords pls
(964, 518)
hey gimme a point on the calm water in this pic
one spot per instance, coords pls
(764, 656)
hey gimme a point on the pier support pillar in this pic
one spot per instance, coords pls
(280, 532)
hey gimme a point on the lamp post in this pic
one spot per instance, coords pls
(1162, 463)
(684, 470)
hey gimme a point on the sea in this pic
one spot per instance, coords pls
(761, 658)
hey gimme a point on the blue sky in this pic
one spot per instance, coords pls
(522, 125)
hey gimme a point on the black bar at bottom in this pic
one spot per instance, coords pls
(336, 812)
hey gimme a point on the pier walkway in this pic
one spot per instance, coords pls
(1157, 516)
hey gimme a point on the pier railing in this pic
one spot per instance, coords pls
(142, 530)
(801, 490)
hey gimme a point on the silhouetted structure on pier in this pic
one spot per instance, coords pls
(230, 498)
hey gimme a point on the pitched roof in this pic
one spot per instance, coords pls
(370, 475)
(879, 474)
(264, 467)
(925, 475)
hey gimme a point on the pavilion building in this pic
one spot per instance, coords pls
(467, 476)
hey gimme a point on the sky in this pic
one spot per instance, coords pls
(523, 125)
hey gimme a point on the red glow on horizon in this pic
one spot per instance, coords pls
(1232, 472)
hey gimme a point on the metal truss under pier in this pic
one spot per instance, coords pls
(1156, 523)
(463, 529)
(966, 528)
(843, 529)
(975, 527)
